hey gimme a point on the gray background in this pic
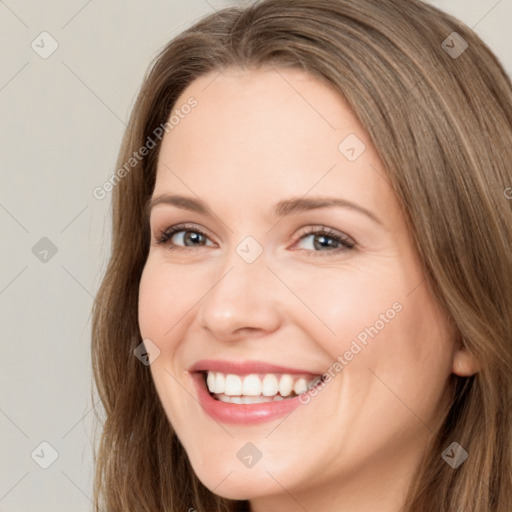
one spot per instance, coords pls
(62, 119)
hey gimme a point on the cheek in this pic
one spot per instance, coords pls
(406, 359)
(165, 297)
(377, 317)
(339, 304)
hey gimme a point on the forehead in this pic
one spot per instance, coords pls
(265, 109)
(265, 133)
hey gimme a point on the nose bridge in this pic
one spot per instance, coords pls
(241, 295)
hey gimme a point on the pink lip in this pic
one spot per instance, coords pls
(243, 414)
(244, 367)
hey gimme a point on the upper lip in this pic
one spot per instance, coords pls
(243, 367)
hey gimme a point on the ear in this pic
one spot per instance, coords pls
(464, 364)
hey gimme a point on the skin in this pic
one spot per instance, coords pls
(255, 138)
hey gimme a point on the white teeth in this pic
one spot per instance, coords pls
(270, 386)
(255, 387)
(251, 386)
(301, 386)
(219, 383)
(247, 399)
(210, 381)
(233, 385)
(285, 385)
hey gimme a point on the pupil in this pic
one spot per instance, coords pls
(192, 236)
(323, 239)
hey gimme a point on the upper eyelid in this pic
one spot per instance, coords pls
(187, 227)
(177, 228)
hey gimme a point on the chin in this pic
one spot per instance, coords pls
(238, 484)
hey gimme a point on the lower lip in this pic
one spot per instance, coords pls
(244, 414)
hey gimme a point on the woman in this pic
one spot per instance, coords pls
(237, 372)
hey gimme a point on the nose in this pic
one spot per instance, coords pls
(244, 300)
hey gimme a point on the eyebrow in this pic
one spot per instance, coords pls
(281, 209)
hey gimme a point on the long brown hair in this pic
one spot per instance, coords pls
(440, 115)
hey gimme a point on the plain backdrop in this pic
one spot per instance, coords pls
(62, 119)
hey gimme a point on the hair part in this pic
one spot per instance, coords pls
(443, 128)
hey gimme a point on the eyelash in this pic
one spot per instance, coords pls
(346, 243)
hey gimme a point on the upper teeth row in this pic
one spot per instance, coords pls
(255, 384)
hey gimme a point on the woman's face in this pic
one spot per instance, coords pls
(295, 261)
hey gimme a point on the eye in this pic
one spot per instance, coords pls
(184, 236)
(326, 240)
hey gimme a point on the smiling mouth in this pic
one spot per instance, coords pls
(257, 388)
